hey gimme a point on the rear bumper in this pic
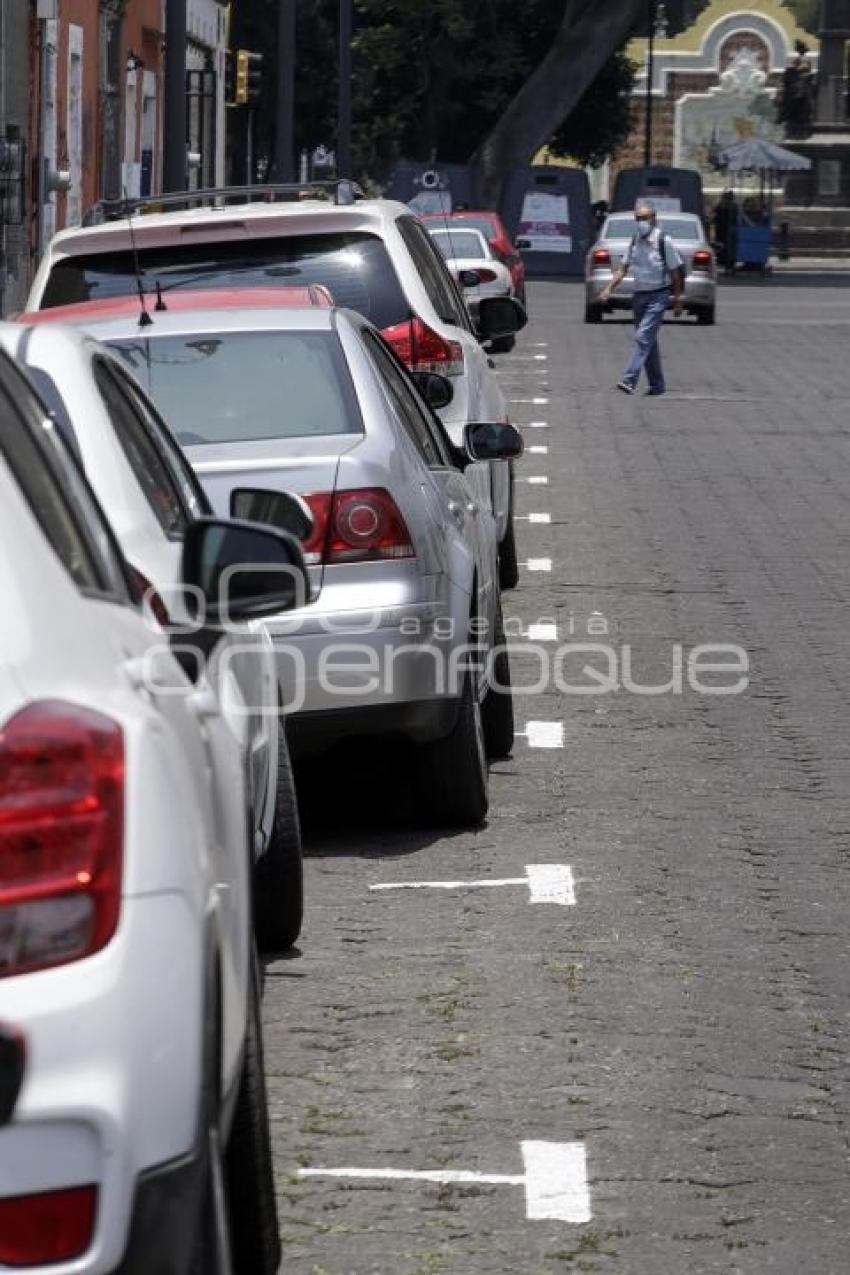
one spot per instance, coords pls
(699, 292)
(312, 733)
(165, 1211)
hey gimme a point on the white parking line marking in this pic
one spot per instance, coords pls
(540, 358)
(547, 883)
(538, 564)
(538, 402)
(538, 425)
(538, 449)
(538, 480)
(556, 1186)
(540, 518)
(544, 734)
(555, 1180)
(543, 632)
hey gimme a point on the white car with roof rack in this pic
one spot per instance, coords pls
(374, 255)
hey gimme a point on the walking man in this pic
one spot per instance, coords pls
(657, 269)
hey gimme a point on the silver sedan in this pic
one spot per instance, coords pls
(688, 236)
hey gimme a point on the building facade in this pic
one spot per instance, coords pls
(82, 114)
(713, 84)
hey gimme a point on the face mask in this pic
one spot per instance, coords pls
(644, 227)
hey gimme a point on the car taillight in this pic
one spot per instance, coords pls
(424, 350)
(485, 275)
(362, 525)
(601, 257)
(150, 596)
(54, 1226)
(702, 259)
(61, 835)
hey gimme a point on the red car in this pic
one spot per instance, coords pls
(493, 228)
(237, 298)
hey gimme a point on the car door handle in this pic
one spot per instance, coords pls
(204, 703)
(457, 512)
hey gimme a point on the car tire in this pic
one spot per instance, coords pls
(593, 313)
(211, 1251)
(508, 564)
(452, 771)
(497, 710)
(706, 316)
(255, 1241)
(502, 344)
(279, 873)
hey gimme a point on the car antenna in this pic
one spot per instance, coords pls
(145, 319)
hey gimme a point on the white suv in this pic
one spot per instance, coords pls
(140, 1135)
(374, 255)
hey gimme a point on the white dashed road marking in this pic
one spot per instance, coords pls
(543, 632)
(538, 402)
(536, 425)
(547, 883)
(555, 1180)
(538, 449)
(537, 480)
(538, 564)
(543, 734)
(540, 518)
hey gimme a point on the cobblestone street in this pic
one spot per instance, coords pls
(682, 1024)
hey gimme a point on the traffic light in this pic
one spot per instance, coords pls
(249, 77)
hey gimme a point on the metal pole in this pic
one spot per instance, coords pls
(174, 167)
(343, 137)
(285, 139)
(647, 150)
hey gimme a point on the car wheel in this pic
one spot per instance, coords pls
(502, 344)
(278, 875)
(497, 711)
(249, 1171)
(452, 771)
(592, 313)
(508, 565)
(706, 316)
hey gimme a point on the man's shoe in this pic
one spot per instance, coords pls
(654, 393)
(625, 387)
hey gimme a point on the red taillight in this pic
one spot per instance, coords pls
(485, 275)
(150, 597)
(702, 259)
(61, 835)
(363, 525)
(601, 257)
(40, 1230)
(424, 350)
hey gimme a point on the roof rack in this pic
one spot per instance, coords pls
(343, 190)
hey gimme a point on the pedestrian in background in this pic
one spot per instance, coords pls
(657, 269)
(725, 223)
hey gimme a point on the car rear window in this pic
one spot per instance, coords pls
(355, 266)
(459, 243)
(227, 387)
(675, 227)
(474, 223)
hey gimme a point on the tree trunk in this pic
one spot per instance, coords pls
(588, 35)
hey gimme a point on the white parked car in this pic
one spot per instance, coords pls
(151, 496)
(375, 256)
(476, 267)
(126, 954)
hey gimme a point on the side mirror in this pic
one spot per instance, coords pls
(469, 278)
(243, 571)
(281, 509)
(12, 1060)
(492, 440)
(523, 244)
(500, 317)
(436, 390)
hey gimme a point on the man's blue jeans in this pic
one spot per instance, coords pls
(648, 310)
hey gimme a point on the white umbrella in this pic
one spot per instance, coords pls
(754, 153)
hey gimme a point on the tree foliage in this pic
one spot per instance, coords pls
(430, 78)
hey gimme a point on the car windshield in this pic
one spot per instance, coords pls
(459, 243)
(625, 227)
(355, 267)
(226, 387)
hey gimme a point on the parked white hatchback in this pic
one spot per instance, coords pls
(374, 255)
(140, 1136)
(151, 496)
